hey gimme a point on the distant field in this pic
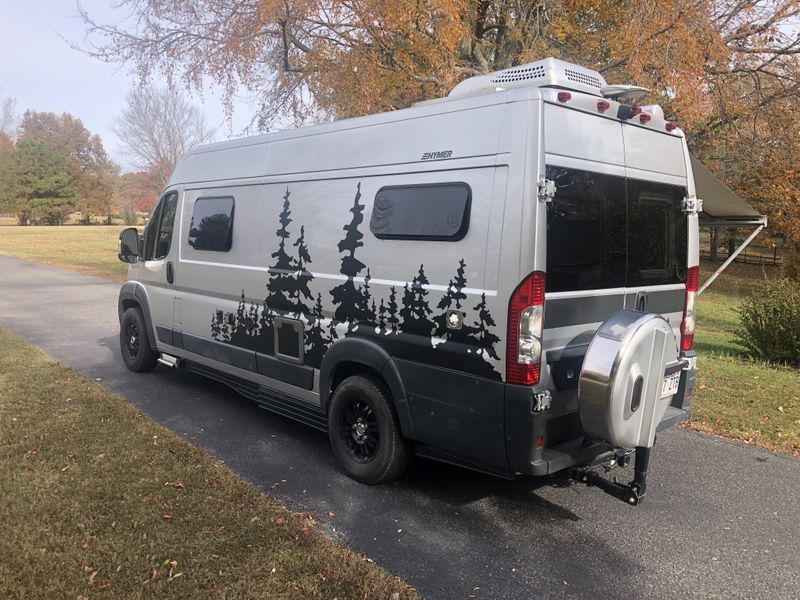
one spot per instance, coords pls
(89, 249)
(737, 397)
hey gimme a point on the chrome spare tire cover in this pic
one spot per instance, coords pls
(620, 387)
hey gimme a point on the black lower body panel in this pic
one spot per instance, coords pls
(269, 399)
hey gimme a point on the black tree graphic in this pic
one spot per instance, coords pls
(391, 312)
(481, 336)
(281, 279)
(452, 301)
(317, 338)
(415, 309)
(382, 310)
(300, 288)
(351, 305)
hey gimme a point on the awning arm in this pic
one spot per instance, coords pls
(731, 258)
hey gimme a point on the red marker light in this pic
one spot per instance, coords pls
(603, 105)
(636, 110)
(644, 117)
(564, 96)
(670, 127)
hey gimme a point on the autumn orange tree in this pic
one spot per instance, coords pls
(727, 70)
(91, 172)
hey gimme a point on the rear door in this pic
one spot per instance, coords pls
(657, 226)
(586, 226)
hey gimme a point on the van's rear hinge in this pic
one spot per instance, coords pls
(692, 205)
(547, 189)
(540, 401)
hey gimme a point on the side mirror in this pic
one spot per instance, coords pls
(129, 245)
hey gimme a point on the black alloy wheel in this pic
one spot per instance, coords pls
(364, 431)
(134, 342)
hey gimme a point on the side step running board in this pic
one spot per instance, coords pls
(170, 361)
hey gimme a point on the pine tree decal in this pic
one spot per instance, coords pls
(216, 325)
(300, 289)
(391, 312)
(349, 300)
(482, 337)
(281, 273)
(382, 310)
(317, 338)
(415, 309)
(452, 301)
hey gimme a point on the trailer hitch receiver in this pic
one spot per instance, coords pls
(630, 493)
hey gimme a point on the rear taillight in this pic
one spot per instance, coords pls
(525, 315)
(687, 324)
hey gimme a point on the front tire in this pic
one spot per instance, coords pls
(134, 342)
(364, 431)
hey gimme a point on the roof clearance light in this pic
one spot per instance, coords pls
(603, 105)
(636, 110)
(644, 117)
(564, 96)
(671, 126)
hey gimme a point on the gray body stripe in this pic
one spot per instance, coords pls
(563, 312)
(566, 312)
(660, 302)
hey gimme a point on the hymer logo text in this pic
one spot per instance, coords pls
(437, 155)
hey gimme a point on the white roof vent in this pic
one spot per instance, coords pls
(547, 72)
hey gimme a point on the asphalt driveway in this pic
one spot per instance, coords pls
(720, 518)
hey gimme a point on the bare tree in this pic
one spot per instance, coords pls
(157, 127)
(8, 116)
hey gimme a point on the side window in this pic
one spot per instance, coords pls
(422, 212)
(151, 231)
(164, 239)
(212, 224)
(586, 231)
(158, 233)
(658, 238)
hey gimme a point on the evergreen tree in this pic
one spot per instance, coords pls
(415, 311)
(216, 325)
(348, 299)
(281, 278)
(317, 339)
(381, 316)
(452, 301)
(482, 336)
(391, 311)
(252, 320)
(300, 289)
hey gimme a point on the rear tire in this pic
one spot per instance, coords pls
(134, 342)
(364, 431)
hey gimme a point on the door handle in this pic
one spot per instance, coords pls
(170, 273)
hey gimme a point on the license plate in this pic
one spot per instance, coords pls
(669, 387)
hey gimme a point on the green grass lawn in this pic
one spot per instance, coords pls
(737, 396)
(98, 501)
(89, 249)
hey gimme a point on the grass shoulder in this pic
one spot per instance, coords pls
(738, 396)
(90, 249)
(100, 501)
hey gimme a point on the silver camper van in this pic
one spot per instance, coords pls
(502, 279)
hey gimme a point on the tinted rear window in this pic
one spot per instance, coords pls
(605, 231)
(422, 212)
(657, 241)
(212, 224)
(585, 231)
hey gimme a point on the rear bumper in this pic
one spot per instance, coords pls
(543, 443)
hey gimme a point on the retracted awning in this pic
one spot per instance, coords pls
(723, 208)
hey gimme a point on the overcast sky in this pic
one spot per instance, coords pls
(40, 70)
